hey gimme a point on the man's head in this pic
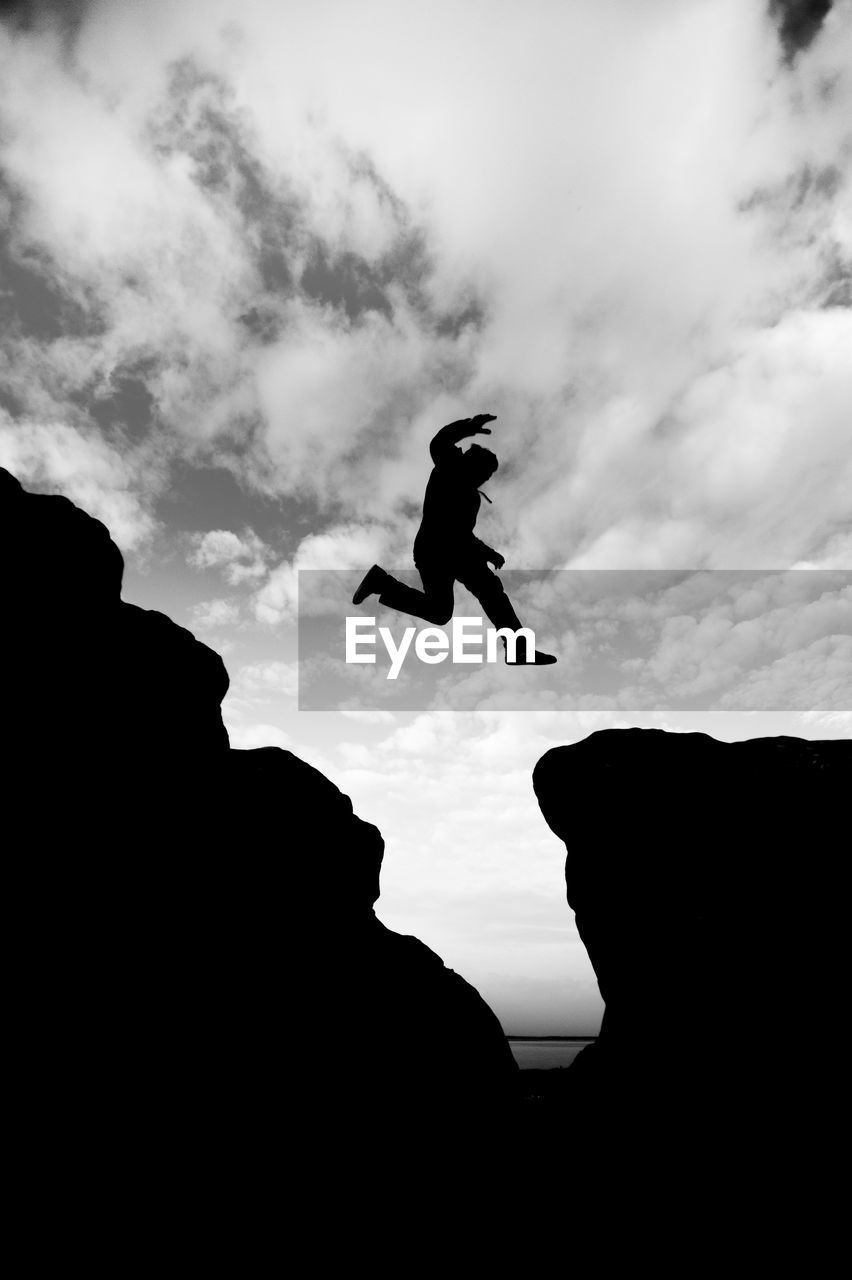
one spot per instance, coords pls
(481, 464)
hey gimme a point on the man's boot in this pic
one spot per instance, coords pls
(372, 584)
(521, 660)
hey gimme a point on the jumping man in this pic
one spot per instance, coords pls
(446, 549)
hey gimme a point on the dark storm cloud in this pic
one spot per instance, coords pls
(806, 185)
(34, 300)
(345, 282)
(39, 300)
(31, 15)
(794, 211)
(201, 121)
(31, 301)
(798, 22)
(838, 280)
(211, 497)
(84, 345)
(126, 404)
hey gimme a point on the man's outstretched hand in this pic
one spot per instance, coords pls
(443, 444)
(496, 559)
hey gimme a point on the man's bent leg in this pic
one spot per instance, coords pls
(433, 604)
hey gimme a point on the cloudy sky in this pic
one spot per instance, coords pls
(255, 252)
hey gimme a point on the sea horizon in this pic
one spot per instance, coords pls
(535, 1053)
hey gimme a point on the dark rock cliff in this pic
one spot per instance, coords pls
(705, 877)
(199, 982)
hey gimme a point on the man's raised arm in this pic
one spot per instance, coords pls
(449, 436)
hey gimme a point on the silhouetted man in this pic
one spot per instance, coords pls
(446, 548)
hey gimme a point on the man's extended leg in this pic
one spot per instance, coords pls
(489, 591)
(433, 604)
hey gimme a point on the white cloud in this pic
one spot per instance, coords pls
(343, 547)
(105, 481)
(267, 678)
(261, 695)
(649, 222)
(820, 672)
(215, 613)
(242, 558)
(247, 737)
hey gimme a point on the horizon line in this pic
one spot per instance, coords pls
(509, 1036)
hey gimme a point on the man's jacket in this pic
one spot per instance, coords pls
(450, 505)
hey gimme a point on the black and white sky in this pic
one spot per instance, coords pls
(255, 252)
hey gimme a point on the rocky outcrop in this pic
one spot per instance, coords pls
(86, 674)
(198, 973)
(704, 876)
